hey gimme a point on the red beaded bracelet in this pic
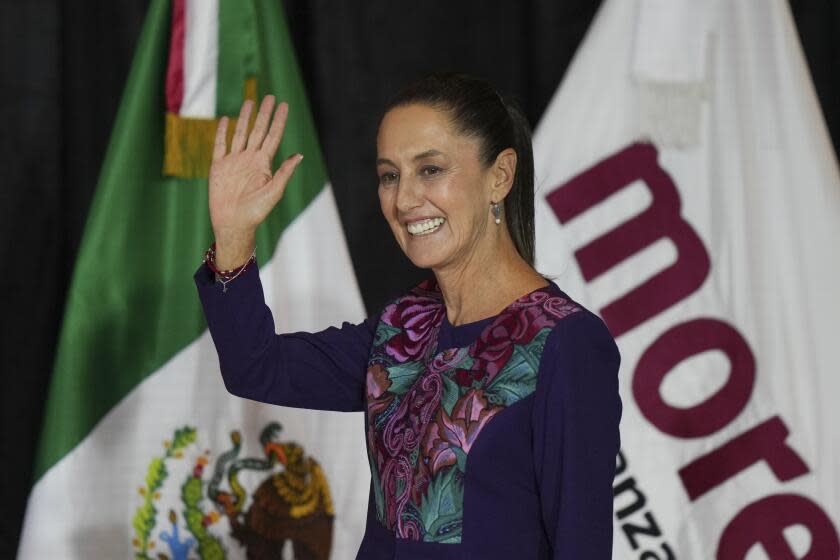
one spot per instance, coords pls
(226, 276)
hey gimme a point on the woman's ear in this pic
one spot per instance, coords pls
(504, 170)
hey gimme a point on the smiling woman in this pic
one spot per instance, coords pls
(490, 395)
(468, 128)
(435, 191)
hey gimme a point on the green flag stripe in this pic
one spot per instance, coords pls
(254, 34)
(237, 53)
(280, 76)
(132, 304)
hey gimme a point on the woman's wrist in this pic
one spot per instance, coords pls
(233, 248)
(226, 276)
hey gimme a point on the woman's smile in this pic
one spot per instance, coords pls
(424, 227)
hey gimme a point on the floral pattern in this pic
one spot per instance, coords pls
(415, 315)
(426, 411)
(449, 437)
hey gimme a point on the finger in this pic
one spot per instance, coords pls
(277, 186)
(220, 143)
(257, 135)
(275, 134)
(241, 127)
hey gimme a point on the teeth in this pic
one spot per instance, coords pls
(426, 226)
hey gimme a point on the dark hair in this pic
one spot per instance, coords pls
(478, 110)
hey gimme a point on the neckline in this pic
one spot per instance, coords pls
(460, 336)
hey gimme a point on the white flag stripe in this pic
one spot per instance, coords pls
(201, 53)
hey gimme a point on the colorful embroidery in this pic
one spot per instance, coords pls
(426, 410)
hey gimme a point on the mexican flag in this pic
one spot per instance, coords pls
(688, 192)
(142, 446)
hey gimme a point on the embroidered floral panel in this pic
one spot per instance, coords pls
(426, 409)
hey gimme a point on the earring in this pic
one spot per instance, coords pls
(496, 208)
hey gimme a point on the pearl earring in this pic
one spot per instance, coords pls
(496, 208)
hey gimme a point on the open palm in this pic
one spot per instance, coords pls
(242, 187)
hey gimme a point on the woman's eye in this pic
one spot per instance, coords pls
(387, 178)
(430, 170)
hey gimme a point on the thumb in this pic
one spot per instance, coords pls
(277, 186)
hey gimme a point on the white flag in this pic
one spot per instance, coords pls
(687, 191)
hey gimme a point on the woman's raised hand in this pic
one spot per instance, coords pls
(242, 187)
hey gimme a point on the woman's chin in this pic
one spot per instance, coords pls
(423, 262)
(424, 257)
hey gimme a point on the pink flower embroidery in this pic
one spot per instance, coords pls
(377, 381)
(469, 416)
(560, 307)
(447, 359)
(466, 377)
(497, 342)
(416, 316)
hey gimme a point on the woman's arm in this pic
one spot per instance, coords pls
(324, 370)
(576, 437)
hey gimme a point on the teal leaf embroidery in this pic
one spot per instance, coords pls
(461, 458)
(466, 362)
(384, 333)
(378, 495)
(403, 375)
(518, 378)
(440, 510)
(450, 394)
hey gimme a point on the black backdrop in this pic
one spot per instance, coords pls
(62, 68)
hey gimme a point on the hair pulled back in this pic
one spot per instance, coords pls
(477, 110)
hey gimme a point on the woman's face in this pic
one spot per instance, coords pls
(433, 190)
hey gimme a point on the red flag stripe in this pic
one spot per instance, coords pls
(175, 68)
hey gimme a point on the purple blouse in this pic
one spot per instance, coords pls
(492, 439)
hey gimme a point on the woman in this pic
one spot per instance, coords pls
(490, 396)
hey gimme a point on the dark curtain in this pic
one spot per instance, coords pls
(63, 68)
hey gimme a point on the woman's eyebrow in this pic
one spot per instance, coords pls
(428, 153)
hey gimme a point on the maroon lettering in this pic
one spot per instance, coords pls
(660, 220)
(677, 344)
(763, 442)
(763, 522)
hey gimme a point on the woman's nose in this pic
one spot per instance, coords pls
(409, 195)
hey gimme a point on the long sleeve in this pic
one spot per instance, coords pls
(576, 437)
(323, 370)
